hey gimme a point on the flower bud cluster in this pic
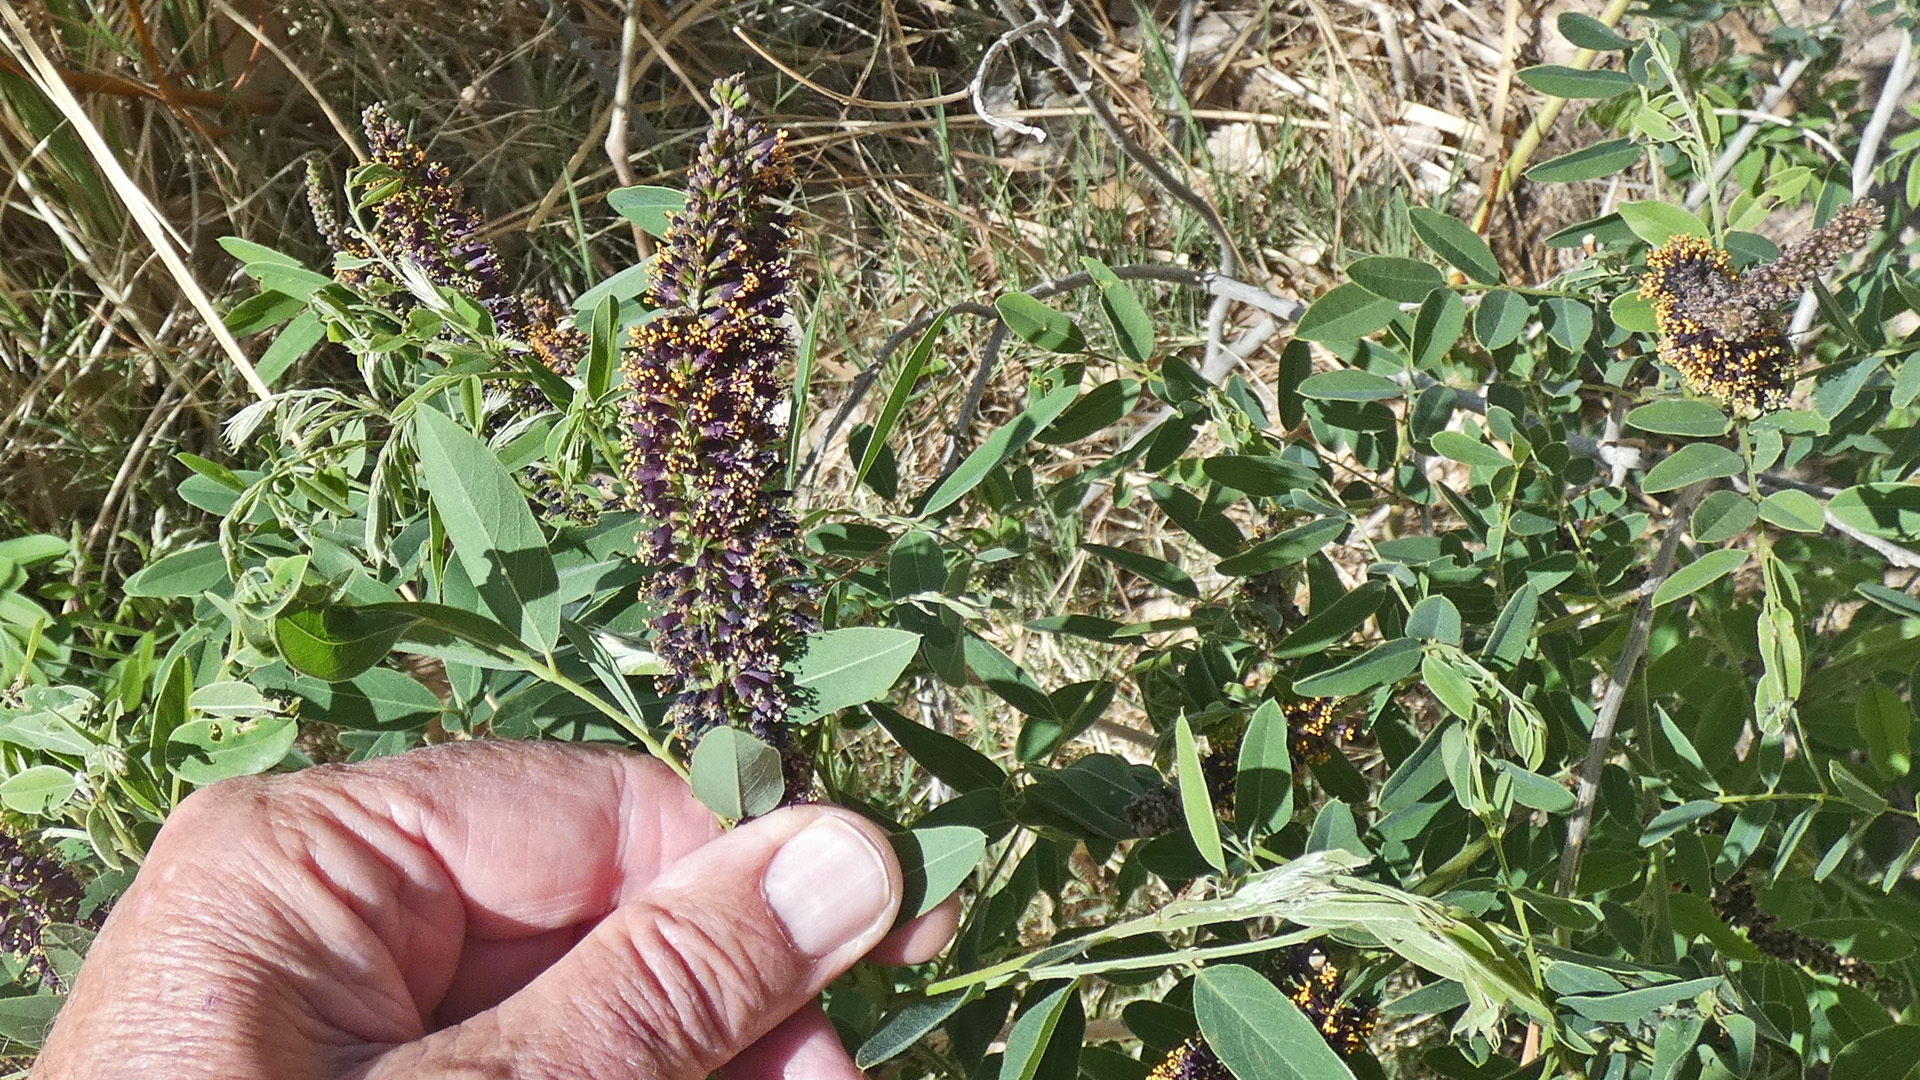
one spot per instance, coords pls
(419, 216)
(1720, 329)
(703, 434)
(36, 891)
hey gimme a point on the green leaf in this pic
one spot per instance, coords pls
(1098, 409)
(1404, 281)
(1118, 302)
(1038, 324)
(1795, 511)
(289, 345)
(1636, 1005)
(1569, 322)
(1346, 312)
(1892, 1053)
(603, 348)
(1689, 418)
(336, 643)
(251, 254)
(1558, 80)
(849, 666)
(1456, 242)
(1590, 33)
(1259, 476)
(1891, 599)
(38, 791)
(1296, 363)
(184, 573)
(1674, 818)
(1691, 464)
(1451, 688)
(36, 548)
(1891, 511)
(1498, 320)
(1263, 786)
(736, 775)
(907, 1025)
(380, 699)
(494, 535)
(1027, 1041)
(1655, 221)
(1195, 800)
(1435, 619)
(1258, 1033)
(1722, 515)
(1159, 571)
(202, 752)
(934, 863)
(1385, 663)
(1699, 574)
(1347, 384)
(899, 396)
(1323, 629)
(1438, 324)
(1284, 548)
(1538, 792)
(1468, 450)
(1513, 630)
(1587, 163)
(1008, 680)
(951, 761)
(1885, 723)
(998, 447)
(25, 1019)
(646, 206)
(1629, 312)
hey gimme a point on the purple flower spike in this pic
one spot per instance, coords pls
(703, 442)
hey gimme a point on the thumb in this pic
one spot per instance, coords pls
(716, 952)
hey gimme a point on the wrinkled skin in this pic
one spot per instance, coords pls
(509, 910)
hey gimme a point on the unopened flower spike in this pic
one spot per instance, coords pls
(1721, 329)
(703, 438)
(421, 218)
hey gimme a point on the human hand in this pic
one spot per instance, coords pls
(488, 909)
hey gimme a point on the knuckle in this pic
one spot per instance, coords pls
(701, 987)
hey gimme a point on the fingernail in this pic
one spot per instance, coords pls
(827, 886)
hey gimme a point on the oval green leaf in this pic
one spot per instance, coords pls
(1038, 324)
(1404, 281)
(1345, 313)
(1655, 221)
(1257, 1031)
(1688, 418)
(736, 775)
(202, 752)
(1558, 80)
(1699, 574)
(1587, 163)
(1887, 510)
(1388, 662)
(1456, 242)
(849, 666)
(1691, 464)
(1347, 384)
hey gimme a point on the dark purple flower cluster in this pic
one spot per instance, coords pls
(1720, 329)
(703, 434)
(418, 215)
(36, 891)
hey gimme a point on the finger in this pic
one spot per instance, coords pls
(922, 939)
(721, 948)
(805, 1047)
